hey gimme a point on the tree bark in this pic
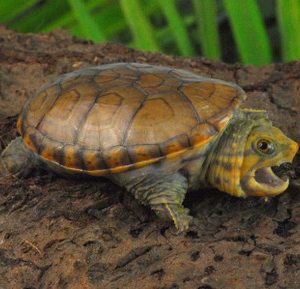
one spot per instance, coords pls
(64, 233)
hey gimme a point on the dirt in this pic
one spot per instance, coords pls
(64, 233)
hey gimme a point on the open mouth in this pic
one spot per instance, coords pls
(264, 182)
(267, 177)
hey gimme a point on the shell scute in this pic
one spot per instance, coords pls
(106, 77)
(94, 160)
(202, 133)
(175, 144)
(116, 157)
(149, 81)
(63, 120)
(142, 153)
(34, 112)
(73, 157)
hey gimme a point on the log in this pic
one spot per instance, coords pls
(65, 233)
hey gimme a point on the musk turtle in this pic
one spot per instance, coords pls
(156, 131)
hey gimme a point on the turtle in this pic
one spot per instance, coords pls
(155, 131)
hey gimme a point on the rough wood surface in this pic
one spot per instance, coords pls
(60, 233)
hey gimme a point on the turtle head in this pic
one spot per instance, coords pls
(245, 154)
(266, 146)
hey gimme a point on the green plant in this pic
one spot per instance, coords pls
(288, 14)
(183, 27)
(249, 31)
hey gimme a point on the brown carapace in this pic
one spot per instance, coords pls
(117, 117)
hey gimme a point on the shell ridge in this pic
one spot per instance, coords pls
(140, 89)
(188, 101)
(52, 105)
(84, 118)
(125, 134)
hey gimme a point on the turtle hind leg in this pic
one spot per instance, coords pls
(164, 194)
(17, 160)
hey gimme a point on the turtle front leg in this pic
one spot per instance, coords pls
(164, 194)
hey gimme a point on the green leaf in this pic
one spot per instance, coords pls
(206, 17)
(68, 19)
(10, 9)
(108, 16)
(86, 21)
(110, 19)
(249, 31)
(139, 25)
(177, 27)
(288, 14)
(38, 16)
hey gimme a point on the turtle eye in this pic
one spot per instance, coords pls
(265, 146)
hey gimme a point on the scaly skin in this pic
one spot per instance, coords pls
(235, 158)
(164, 194)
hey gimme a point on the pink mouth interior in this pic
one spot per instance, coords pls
(265, 176)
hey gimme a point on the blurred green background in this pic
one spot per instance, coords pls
(249, 31)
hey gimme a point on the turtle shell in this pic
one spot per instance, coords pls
(112, 118)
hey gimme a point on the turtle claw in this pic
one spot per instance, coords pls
(181, 219)
(177, 213)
